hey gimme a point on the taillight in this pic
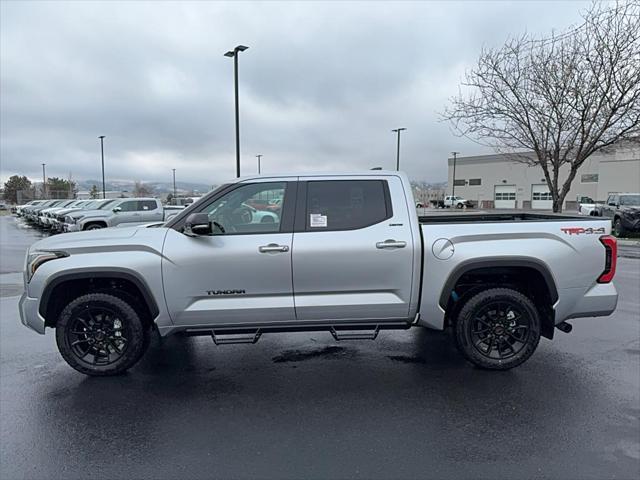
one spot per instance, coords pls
(610, 258)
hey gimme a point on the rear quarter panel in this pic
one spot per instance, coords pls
(574, 260)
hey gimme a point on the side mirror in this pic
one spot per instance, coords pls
(117, 209)
(197, 224)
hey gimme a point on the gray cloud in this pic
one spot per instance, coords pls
(322, 84)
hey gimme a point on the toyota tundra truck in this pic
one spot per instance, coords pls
(345, 254)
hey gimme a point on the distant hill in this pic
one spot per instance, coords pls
(158, 188)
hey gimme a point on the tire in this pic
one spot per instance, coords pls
(459, 205)
(94, 226)
(88, 325)
(618, 228)
(483, 324)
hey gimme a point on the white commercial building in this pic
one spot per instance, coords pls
(499, 181)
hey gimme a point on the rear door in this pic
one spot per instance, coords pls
(151, 211)
(352, 250)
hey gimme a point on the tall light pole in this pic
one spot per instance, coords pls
(104, 190)
(398, 130)
(44, 182)
(259, 157)
(453, 187)
(234, 54)
(174, 185)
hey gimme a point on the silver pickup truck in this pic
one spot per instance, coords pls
(344, 253)
(113, 213)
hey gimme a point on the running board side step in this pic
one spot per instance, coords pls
(228, 335)
(354, 334)
(233, 339)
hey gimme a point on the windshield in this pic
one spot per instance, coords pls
(629, 199)
(105, 204)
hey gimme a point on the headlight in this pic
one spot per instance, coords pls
(71, 220)
(35, 259)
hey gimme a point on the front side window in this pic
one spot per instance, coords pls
(346, 204)
(251, 208)
(130, 206)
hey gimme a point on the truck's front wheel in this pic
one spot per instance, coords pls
(100, 334)
(497, 328)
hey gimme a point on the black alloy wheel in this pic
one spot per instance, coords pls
(101, 334)
(97, 335)
(497, 328)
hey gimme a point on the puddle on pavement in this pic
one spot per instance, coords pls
(301, 355)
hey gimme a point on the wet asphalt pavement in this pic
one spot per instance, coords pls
(304, 406)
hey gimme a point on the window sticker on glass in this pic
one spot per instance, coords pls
(318, 220)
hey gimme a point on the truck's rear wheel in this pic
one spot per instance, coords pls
(100, 334)
(497, 329)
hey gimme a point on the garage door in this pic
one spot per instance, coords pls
(505, 196)
(541, 197)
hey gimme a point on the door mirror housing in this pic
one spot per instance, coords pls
(117, 209)
(197, 224)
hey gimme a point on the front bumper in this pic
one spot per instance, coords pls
(71, 227)
(29, 314)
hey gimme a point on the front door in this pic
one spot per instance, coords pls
(353, 253)
(128, 212)
(241, 273)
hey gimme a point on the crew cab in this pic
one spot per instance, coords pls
(121, 211)
(346, 254)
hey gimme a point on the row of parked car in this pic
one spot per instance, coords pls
(622, 208)
(77, 215)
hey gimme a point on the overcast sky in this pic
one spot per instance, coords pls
(321, 85)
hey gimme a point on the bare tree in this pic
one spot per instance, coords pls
(141, 190)
(564, 98)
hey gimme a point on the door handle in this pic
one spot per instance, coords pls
(391, 244)
(273, 247)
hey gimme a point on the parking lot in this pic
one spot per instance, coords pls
(304, 406)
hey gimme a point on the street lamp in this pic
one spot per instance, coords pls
(174, 185)
(104, 190)
(259, 157)
(453, 187)
(398, 130)
(234, 54)
(44, 182)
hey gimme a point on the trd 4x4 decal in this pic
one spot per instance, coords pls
(580, 231)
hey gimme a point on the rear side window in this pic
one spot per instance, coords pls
(147, 205)
(346, 204)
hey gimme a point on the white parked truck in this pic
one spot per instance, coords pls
(345, 253)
